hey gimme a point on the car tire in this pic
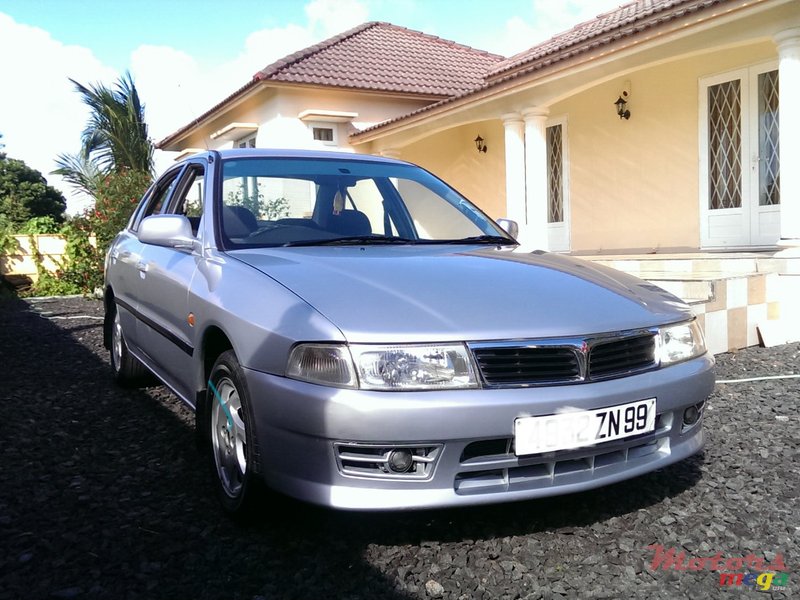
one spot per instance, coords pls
(231, 438)
(127, 370)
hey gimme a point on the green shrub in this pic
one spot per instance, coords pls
(8, 243)
(81, 271)
(40, 225)
(116, 200)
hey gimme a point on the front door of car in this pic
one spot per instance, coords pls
(126, 256)
(165, 328)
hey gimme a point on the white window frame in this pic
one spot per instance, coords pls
(560, 234)
(246, 141)
(334, 127)
(748, 75)
(249, 141)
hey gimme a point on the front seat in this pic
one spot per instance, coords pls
(350, 223)
(238, 221)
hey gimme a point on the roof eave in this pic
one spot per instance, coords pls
(257, 85)
(231, 101)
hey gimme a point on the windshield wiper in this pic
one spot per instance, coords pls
(353, 240)
(497, 240)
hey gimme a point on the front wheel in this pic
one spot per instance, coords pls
(231, 433)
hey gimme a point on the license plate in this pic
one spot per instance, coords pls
(533, 435)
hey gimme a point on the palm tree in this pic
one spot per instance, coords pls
(81, 172)
(115, 138)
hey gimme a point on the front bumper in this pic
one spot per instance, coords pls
(301, 429)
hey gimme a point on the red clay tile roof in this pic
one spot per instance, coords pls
(384, 57)
(374, 56)
(626, 21)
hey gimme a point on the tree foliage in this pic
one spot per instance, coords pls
(115, 138)
(24, 193)
(116, 134)
(80, 171)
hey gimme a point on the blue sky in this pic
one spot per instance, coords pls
(186, 55)
(209, 29)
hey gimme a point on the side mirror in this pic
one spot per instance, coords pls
(509, 226)
(172, 231)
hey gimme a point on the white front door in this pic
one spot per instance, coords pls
(558, 238)
(739, 159)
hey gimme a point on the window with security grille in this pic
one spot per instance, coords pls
(555, 175)
(740, 157)
(725, 145)
(769, 181)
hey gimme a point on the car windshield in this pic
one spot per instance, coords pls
(305, 202)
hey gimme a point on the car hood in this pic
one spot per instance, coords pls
(444, 293)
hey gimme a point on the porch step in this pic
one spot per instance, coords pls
(691, 291)
(719, 265)
(730, 296)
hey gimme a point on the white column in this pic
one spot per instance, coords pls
(515, 168)
(789, 98)
(536, 175)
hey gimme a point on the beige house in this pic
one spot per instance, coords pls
(657, 127)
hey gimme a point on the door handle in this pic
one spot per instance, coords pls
(142, 266)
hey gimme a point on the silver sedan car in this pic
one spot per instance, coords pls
(352, 332)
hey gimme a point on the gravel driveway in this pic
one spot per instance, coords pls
(103, 495)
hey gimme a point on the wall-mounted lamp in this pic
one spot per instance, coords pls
(622, 106)
(480, 145)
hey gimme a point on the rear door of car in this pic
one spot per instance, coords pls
(166, 331)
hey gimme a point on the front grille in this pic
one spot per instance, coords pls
(622, 356)
(527, 364)
(566, 360)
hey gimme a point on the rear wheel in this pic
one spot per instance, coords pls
(232, 448)
(127, 369)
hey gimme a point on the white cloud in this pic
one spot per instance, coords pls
(40, 113)
(329, 17)
(550, 17)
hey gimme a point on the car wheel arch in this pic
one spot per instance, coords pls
(214, 342)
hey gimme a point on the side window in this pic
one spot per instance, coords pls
(159, 197)
(189, 200)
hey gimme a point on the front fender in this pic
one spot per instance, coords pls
(261, 317)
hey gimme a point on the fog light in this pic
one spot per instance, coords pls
(400, 461)
(690, 415)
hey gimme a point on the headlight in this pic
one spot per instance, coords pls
(417, 367)
(680, 342)
(326, 364)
